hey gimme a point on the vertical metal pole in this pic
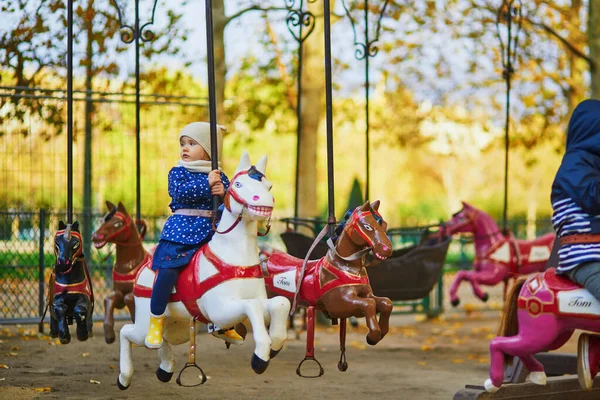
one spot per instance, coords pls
(367, 56)
(329, 115)
(69, 111)
(137, 111)
(212, 105)
(508, 74)
(41, 266)
(298, 119)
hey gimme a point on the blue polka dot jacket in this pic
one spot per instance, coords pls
(189, 190)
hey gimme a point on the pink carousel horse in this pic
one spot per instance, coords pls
(497, 257)
(541, 313)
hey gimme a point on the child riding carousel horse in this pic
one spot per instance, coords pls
(576, 205)
(191, 187)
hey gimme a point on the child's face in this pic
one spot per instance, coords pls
(190, 150)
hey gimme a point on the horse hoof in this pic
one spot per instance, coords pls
(372, 343)
(539, 377)
(274, 353)
(120, 385)
(455, 302)
(258, 365)
(65, 340)
(485, 297)
(489, 386)
(342, 366)
(163, 375)
(109, 334)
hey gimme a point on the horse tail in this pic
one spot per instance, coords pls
(509, 325)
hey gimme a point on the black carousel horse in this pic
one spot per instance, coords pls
(70, 287)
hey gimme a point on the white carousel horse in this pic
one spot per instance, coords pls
(228, 287)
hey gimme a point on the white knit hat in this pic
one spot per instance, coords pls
(200, 132)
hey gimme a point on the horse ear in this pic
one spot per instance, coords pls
(466, 205)
(121, 208)
(75, 226)
(261, 165)
(365, 206)
(375, 205)
(109, 205)
(245, 163)
(61, 225)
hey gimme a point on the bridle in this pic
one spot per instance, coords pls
(470, 216)
(127, 222)
(353, 226)
(77, 256)
(231, 193)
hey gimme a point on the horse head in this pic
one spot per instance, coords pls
(367, 229)
(463, 221)
(68, 247)
(116, 227)
(249, 196)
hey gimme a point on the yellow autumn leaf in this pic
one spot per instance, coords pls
(12, 354)
(43, 389)
(426, 348)
(95, 382)
(15, 348)
(85, 355)
(4, 366)
(423, 363)
(458, 360)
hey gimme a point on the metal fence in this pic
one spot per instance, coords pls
(27, 257)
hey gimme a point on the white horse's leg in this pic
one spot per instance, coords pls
(164, 373)
(278, 310)
(126, 362)
(255, 311)
(132, 333)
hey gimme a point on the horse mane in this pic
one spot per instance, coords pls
(110, 214)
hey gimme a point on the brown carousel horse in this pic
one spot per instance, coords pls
(119, 228)
(70, 293)
(338, 284)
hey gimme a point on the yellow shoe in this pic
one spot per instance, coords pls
(229, 335)
(154, 339)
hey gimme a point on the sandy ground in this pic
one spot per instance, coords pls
(418, 360)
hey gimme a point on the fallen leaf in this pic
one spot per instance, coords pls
(85, 355)
(15, 348)
(43, 389)
(423, 363)
(490, 336)
(426, 348)
(95, 382)
(4, 366)
(458, 360)
(112, 366)
(12, 354)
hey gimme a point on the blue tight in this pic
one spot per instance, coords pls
(165, 281)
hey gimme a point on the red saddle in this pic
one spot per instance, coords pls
(189, 288)
(558, 283)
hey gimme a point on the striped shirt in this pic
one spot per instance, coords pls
(569, 219)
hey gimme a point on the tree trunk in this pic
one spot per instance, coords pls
(575, 92)
(594, 45)
(89, 109)
(219, 24)
(313, 89)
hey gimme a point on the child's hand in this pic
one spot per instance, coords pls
(218, 189)
(214, 177)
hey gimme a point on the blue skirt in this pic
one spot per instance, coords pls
(174, 255)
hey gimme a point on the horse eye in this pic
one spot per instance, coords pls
(238, 185)
(118, 224)
(368, 227)
(76, 245)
